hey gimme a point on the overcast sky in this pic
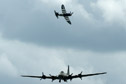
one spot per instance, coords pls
(33, 40)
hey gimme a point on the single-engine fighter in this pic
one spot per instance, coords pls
(63, 76)
(64, 14)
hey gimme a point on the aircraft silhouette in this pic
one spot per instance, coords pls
(63, 76)
(64, 14)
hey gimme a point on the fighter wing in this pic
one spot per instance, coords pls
(80, 76)
(63, 9)
(67, 19)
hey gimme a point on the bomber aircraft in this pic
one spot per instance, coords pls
(64, 14)
(63, 76)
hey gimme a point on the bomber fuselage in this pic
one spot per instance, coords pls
(62, 76)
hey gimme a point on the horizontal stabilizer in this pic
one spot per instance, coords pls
(56, 13)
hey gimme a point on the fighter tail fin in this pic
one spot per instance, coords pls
(71, 12)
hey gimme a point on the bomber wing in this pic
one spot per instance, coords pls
(42, 77)
(31, 76)
(85, 75)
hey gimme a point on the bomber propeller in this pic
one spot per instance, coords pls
(43, 76)
(80, 75)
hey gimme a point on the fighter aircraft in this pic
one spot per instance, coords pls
(63, 76)
(64, 14)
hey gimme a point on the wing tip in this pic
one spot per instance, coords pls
(104, 72)
(22, 75)
(69, 22)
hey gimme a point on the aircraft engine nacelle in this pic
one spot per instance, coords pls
(53, 77)
(80, 75)
(43, 76)
(70, 77)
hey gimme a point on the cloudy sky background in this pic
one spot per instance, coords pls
(33, 41)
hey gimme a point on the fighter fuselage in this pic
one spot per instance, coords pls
(66, 14)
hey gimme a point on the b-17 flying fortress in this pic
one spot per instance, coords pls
(63, 76)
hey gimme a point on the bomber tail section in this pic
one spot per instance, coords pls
(68, 70)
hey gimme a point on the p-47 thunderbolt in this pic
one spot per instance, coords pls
(64, 14)
(63, 76)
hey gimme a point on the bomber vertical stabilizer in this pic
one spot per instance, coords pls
(68, 70)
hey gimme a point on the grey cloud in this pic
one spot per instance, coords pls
(112, 11)
(28, 21)
(7, 67)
